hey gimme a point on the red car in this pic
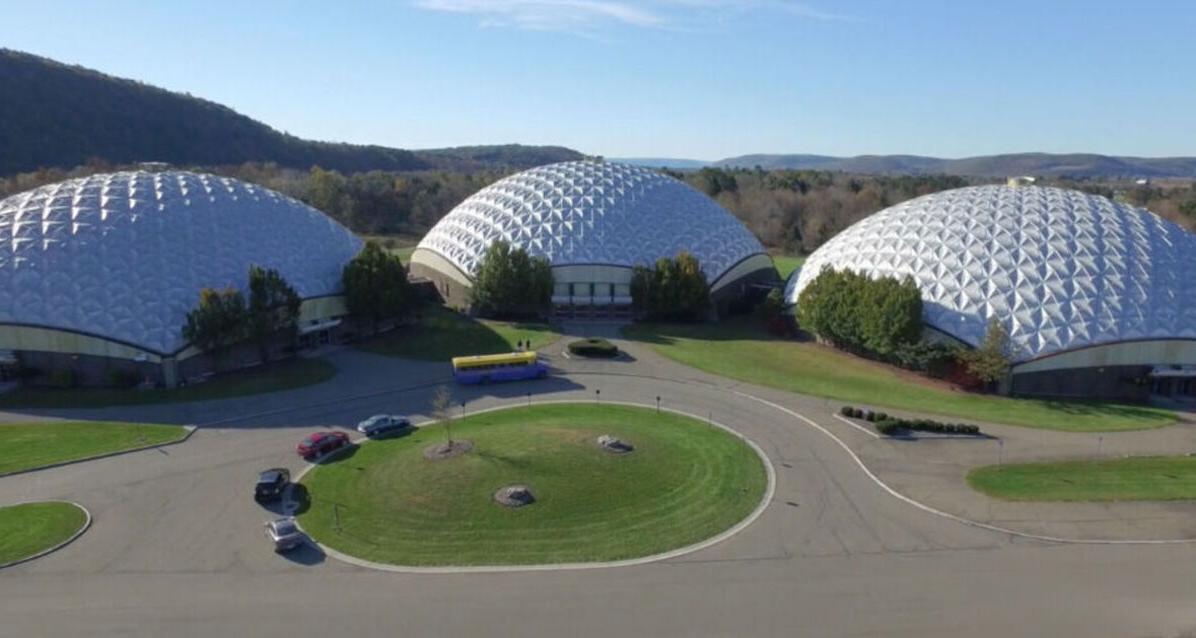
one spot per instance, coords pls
(321, 443)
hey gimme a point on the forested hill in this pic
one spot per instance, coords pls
(55, 115)
(1081, 165)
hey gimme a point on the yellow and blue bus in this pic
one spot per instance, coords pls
(484, 368)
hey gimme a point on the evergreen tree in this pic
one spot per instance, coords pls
(376, 286)
(273, 308)
(510, 282)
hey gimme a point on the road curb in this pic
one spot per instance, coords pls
(83, 528)
(954, 517)
(190, 429)
(765, 501)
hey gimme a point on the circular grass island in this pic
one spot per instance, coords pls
(686, 481)
(29, 529)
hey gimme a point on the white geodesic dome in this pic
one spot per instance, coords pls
(1061, 269)
(593, 213)
(123, 256)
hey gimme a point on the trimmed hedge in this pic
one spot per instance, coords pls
(593, 347)
(890, 426)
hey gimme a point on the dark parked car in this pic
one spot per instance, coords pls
(321, 443)
(383, 424)
(271, 483)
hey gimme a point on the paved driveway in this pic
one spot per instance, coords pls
(176, 547)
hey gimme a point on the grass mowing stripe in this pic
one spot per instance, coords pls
(30, 528)
(442, 334)
(685, 481)
(739, 348)
(280, 375)
(25, 446)
(1153, 478)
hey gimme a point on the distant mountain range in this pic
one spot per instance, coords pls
(1037, 164)
(56, 115)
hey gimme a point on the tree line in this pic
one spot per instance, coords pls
(792, 211)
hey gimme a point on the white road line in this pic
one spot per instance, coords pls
(947, 515)
(857, 426)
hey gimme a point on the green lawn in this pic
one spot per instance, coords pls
(739, 349)
(280, 375)
(686, 481)
(24, 446)
(30, 528)
(442, 334)
(786, 264)
(1155, 478)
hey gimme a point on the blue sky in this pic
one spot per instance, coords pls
(676, 78)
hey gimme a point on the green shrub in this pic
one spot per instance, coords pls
(593, 347)
(889, 427)
(881, 416)
(846, 410)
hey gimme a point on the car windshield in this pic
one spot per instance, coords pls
(284, 527)
(268, 477)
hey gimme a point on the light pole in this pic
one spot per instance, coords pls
(1000, 451)
(658, 405)
(597, 396)
(1100, 443)
(462, 409)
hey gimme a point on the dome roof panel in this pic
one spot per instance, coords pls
(593, 213)
(1072, 269)
(134, 269)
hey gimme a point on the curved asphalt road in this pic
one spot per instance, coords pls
(176, 548)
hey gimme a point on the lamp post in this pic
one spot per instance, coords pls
(462, 409)
(658, 405)
(1000, 451)
(597, 396)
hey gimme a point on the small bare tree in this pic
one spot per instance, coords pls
(442, 406)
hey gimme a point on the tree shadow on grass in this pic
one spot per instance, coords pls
(742, 328)
(441, 334)
(1097, 409)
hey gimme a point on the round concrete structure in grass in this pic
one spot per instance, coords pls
(686, 481)
(594, 221)
(102, 270)
(1094, 293)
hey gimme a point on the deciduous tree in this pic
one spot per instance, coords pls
(217, 321)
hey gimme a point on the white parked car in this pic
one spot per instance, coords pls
(381, 424)
(284, 533)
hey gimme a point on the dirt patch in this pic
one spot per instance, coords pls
(444, 450)
(614, 445)
(514, 496)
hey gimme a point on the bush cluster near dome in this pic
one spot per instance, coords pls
(684, 482)
(593, 222)
(97, 274)
(593, 347)
(1093, 294)
(891, 426)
